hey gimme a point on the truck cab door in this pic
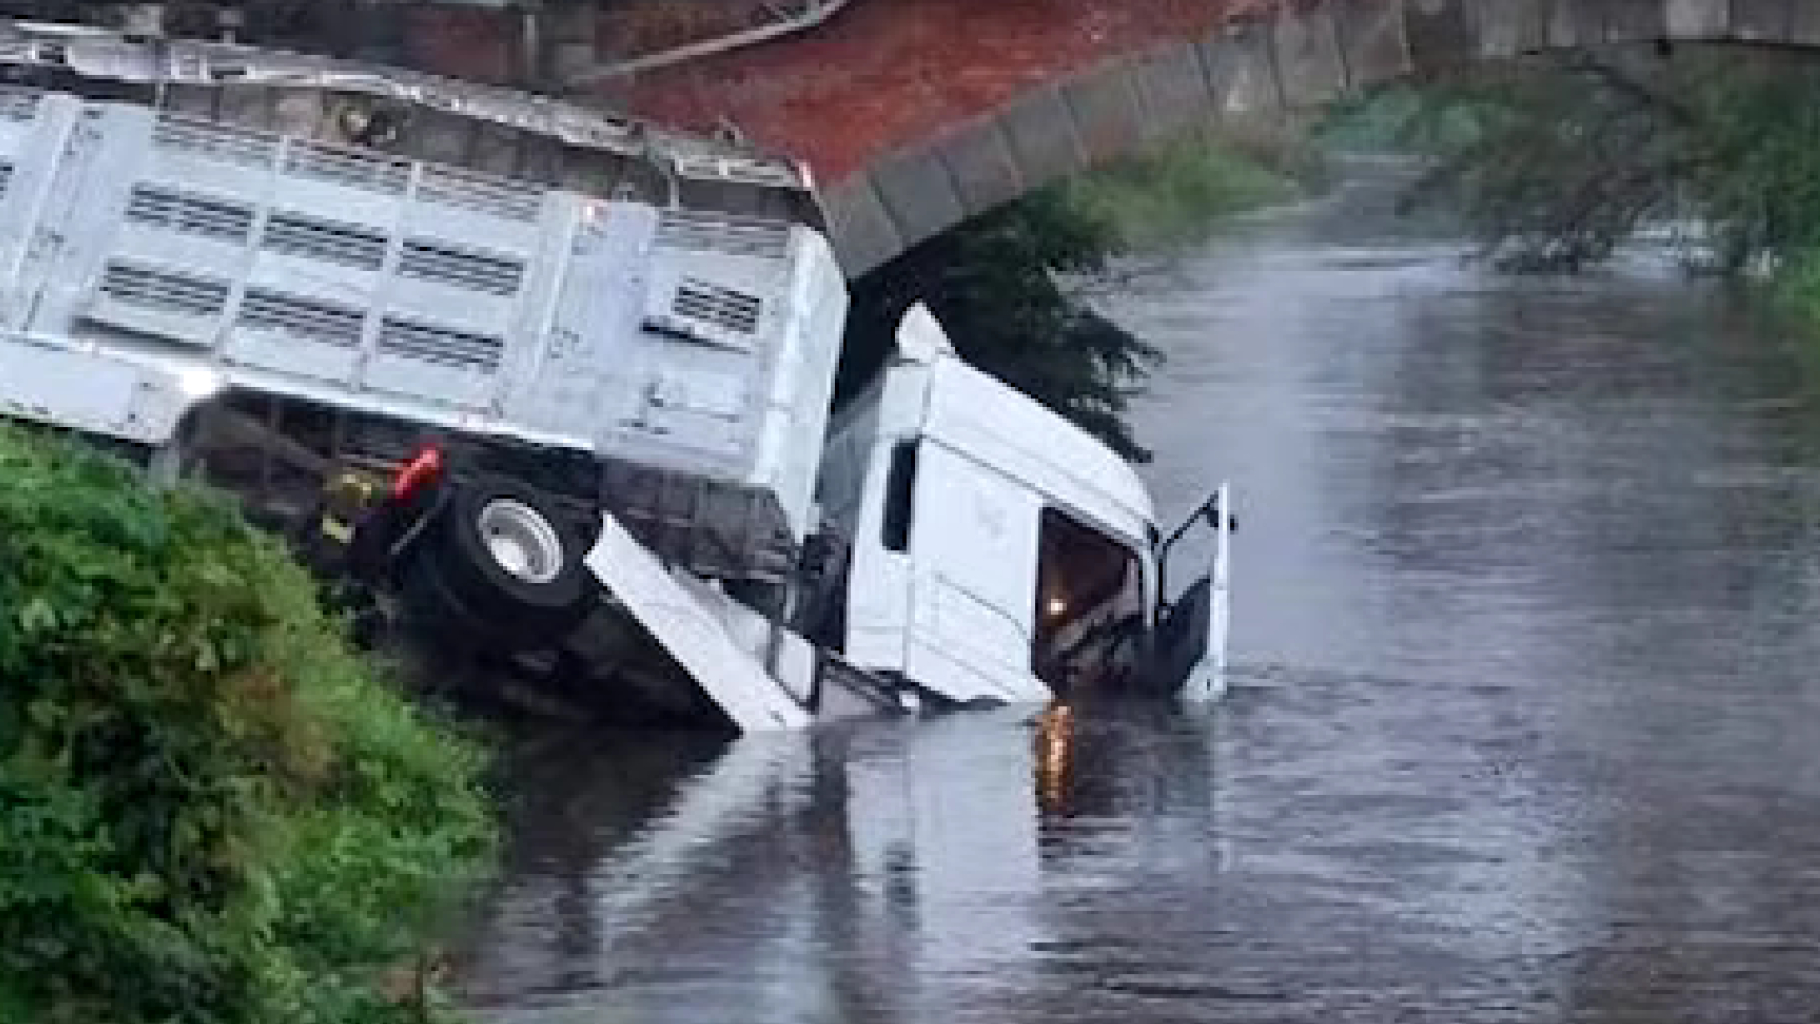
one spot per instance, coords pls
(973, 592)
(942, 584)
(1190, 643)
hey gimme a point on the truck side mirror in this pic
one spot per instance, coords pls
(1211, 513)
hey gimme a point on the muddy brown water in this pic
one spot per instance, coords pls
(1525, 724)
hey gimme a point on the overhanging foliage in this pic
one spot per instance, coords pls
(993, 284)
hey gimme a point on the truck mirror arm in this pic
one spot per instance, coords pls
(1208, 512)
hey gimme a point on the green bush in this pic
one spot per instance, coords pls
(1169, 198)
(211, 811)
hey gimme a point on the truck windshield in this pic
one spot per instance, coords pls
(1089, 609)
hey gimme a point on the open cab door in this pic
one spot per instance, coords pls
(1190, 642)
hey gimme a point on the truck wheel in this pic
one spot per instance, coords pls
(501, 560)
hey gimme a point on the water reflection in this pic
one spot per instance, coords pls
(799, 872)
(1524, 727)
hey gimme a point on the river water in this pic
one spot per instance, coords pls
(1525, 723)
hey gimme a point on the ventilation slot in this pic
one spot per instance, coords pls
(197, 215)
(440, 345)
(216, 142)
(6, 177)
(480, 194)
(745, 170)
(305, 319)
(341, 167)
(19, 105)
(461, 268)
(163, 291)
(294, 234)
(717, 307)
(731, 237)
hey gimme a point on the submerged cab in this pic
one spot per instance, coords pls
(1000, 553)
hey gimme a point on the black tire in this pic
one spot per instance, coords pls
(433, 610)
(454, 573)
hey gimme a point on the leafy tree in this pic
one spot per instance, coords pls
(995, 284)
(1557, 161)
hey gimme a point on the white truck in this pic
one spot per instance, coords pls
(592, 436)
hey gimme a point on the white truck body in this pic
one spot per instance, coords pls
(957, 599)
(154, 266)
(165, 260)
(953, 605)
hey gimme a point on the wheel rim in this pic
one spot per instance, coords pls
(521, 540)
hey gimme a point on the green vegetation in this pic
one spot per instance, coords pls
(1374, 122)
(1170, 198)
(1556, 162)
(999, 283)
(211, 811)
(993, 283)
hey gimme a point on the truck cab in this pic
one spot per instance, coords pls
(998, 552)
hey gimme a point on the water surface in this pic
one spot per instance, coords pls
(1525, 727)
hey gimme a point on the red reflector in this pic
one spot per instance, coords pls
(424, 467)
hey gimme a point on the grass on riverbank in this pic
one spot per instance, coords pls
(1170, 197)
(211, 810)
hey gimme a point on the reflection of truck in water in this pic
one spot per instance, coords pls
(589, 438)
